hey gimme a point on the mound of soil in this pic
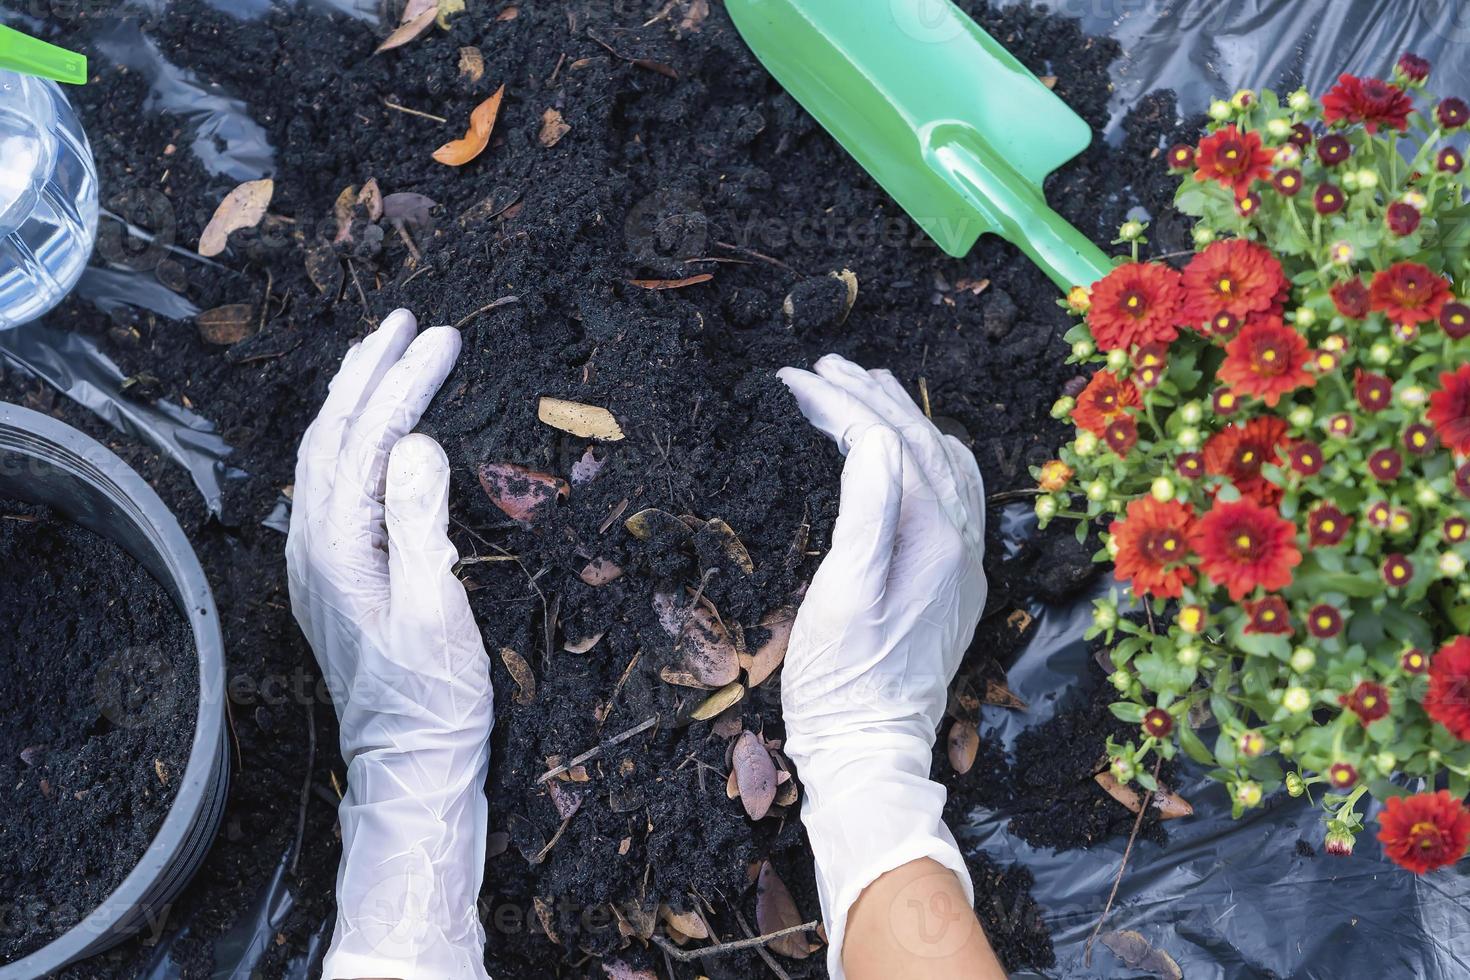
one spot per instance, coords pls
(100, 686)
(683, 160)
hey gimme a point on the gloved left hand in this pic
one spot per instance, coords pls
(370, 567)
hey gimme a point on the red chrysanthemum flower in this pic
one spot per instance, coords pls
(1351, 298)
(1402, 219)
(1233, 159)
(1324, 621)
(1268, 616)
(1449, 161)
(1136, 304)
(1378, 514)
(1454, 320)
(1333, 149)
(1341, 425)
(1409, 293)
(1225, 402)
(1449, 409)
(1153, 547)
(1385, 465)
(1373, 391)
(1462, 479)
(1455, 530)
(1452, 113)
(1233, 276)
(1369, 701)
(1248, 204)
(1243, 545)
(1268, 359)
(1288, 182)
(1448, 698)
(1327, 526)
(1412, 68)
(1414, 661)
(1424, 831)
(1328, 199)
(1342, 775)
(1223, 325)
(1398, 570)
(1121, 435)
(1306, 457)
(1191, 466)
(1420, 439)
(1181, 157)
(1158, 722)
(1106, 398)
(1301, 135)
(1370, 101)
(1237, 452)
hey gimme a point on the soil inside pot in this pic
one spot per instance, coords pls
(99, 681)
(683, 158)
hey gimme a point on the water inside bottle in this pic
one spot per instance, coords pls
(48, 198)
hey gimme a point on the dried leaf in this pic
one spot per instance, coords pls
(772, 652)
(553, 128)
(1050, 81)
(324, 269)
(1137, 953)
(964, 743)
(775, 910)
(755, 774)
(653, 524)
(342, 210)
(585, 470)
(849, 279)
(732, 786)
(585, 421)
(520, 492)
(1171, 806)
(409, 209)
(670, 616)
(447, 7)
(509, 13)
(547, 916)
(672, 283)
(643, 921)
(1019, 620)
(690, 923)
(600, 571)
(682, 678)
(729, 543)
(585, 644)
(997, 693)
(370, 199)
(409, 29)
(717, 702)
(972, 286)
(242, 207)
(227, 324)
(705, 649)
(471, 64)
(457, 153)
(520, 672)
(694, 16)
(567, 801)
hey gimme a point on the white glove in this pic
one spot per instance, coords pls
(370, 567)
(880, 635)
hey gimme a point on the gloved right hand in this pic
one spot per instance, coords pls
(880, 635)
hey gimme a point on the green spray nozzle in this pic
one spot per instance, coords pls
(32, 56)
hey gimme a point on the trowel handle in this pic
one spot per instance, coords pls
(1011, 206)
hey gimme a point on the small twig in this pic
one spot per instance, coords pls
(761, 950)
(366, 309)
(591, 754)
(502, 301)
(235, 736)
(924, 396)
(541, 854)
(1005, 496)
(756, 255)
(752, 942)
(265, 306)
(414, 112)
(305, 785)
(137, 232)
(1122, 867)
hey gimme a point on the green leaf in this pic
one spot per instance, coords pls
(1127, 711)
(1193, 747)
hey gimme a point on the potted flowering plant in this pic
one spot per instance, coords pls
(1274, 446)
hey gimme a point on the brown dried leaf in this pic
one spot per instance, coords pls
(553, 128)
(324, 269)
(972, 286)
(997, 693)
(1171, 806)
(242, 207)
(771, 653)
(705, 649)
(775, 910)
(585, 421)
(408, 29)
(600, 571)
(585, 470)
(567, 801)
(370, 199)
(457, 153)
(694, 16)
(520, 492)
(690, 923)
(471, 64)
(547, 915)
(643, 921)
(585, 644)
(656, 284)
(732, 786)
(342, 210)
(964, 743)
(682, 678)
(408, 208)
(1050, 81)
(849, 279)
(729, 542)
(520, 672)
(728, 725)
(717, 702)
(227, 324)
(653, 524)
(1019, 620)
(509, 13)
(1137, 953)
(755, 774)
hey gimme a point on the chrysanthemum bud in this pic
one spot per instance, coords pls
(1415, 199)
(1303, 660)
(1085, 444)
(1279, 129)
(1162, 489)
(1380, 353)
(1342, 253)
(1083, 349)
(1121, 679)
(1188, 438)
(1203, 236)
(1299, 101)
(1117, 360)
(1304, 316)
(1426, 496)
(1451, 565)
(1113, 546)
(1079, 299)
(1411, 70)
(1123, 770)
(1248, 793)
(1414, 396)
(1242, 100)
(1046, 508)
(1367, 179)
(1301, 416)
(1105, 616)
(1096, 490)
(1288, 155)
(1189, 655)
(1054, 476)
(1338, 843)
(1295, 785)
(1349, 180)
(1296, 700)
(1251, 744)
(1220, 110)
(1062, 407)
(1385, 761)
(1131, 231)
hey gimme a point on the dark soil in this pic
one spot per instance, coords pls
(100, 685)
(713, 171)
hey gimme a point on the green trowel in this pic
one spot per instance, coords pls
(949, 122)
(32, 56)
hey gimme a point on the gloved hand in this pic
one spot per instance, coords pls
(879, 636)
(369, 563)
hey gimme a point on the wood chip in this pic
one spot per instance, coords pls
(242, 207)
(755, 774)
(457, 153)
(776, 910)
(658, 284)
(471, 63)
(1171, 806)
(584, 421)
(226, 325)
(1137, 953)
(520, 672)
(964, 744)
(553, 128)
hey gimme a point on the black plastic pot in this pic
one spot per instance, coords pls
(45, 461)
